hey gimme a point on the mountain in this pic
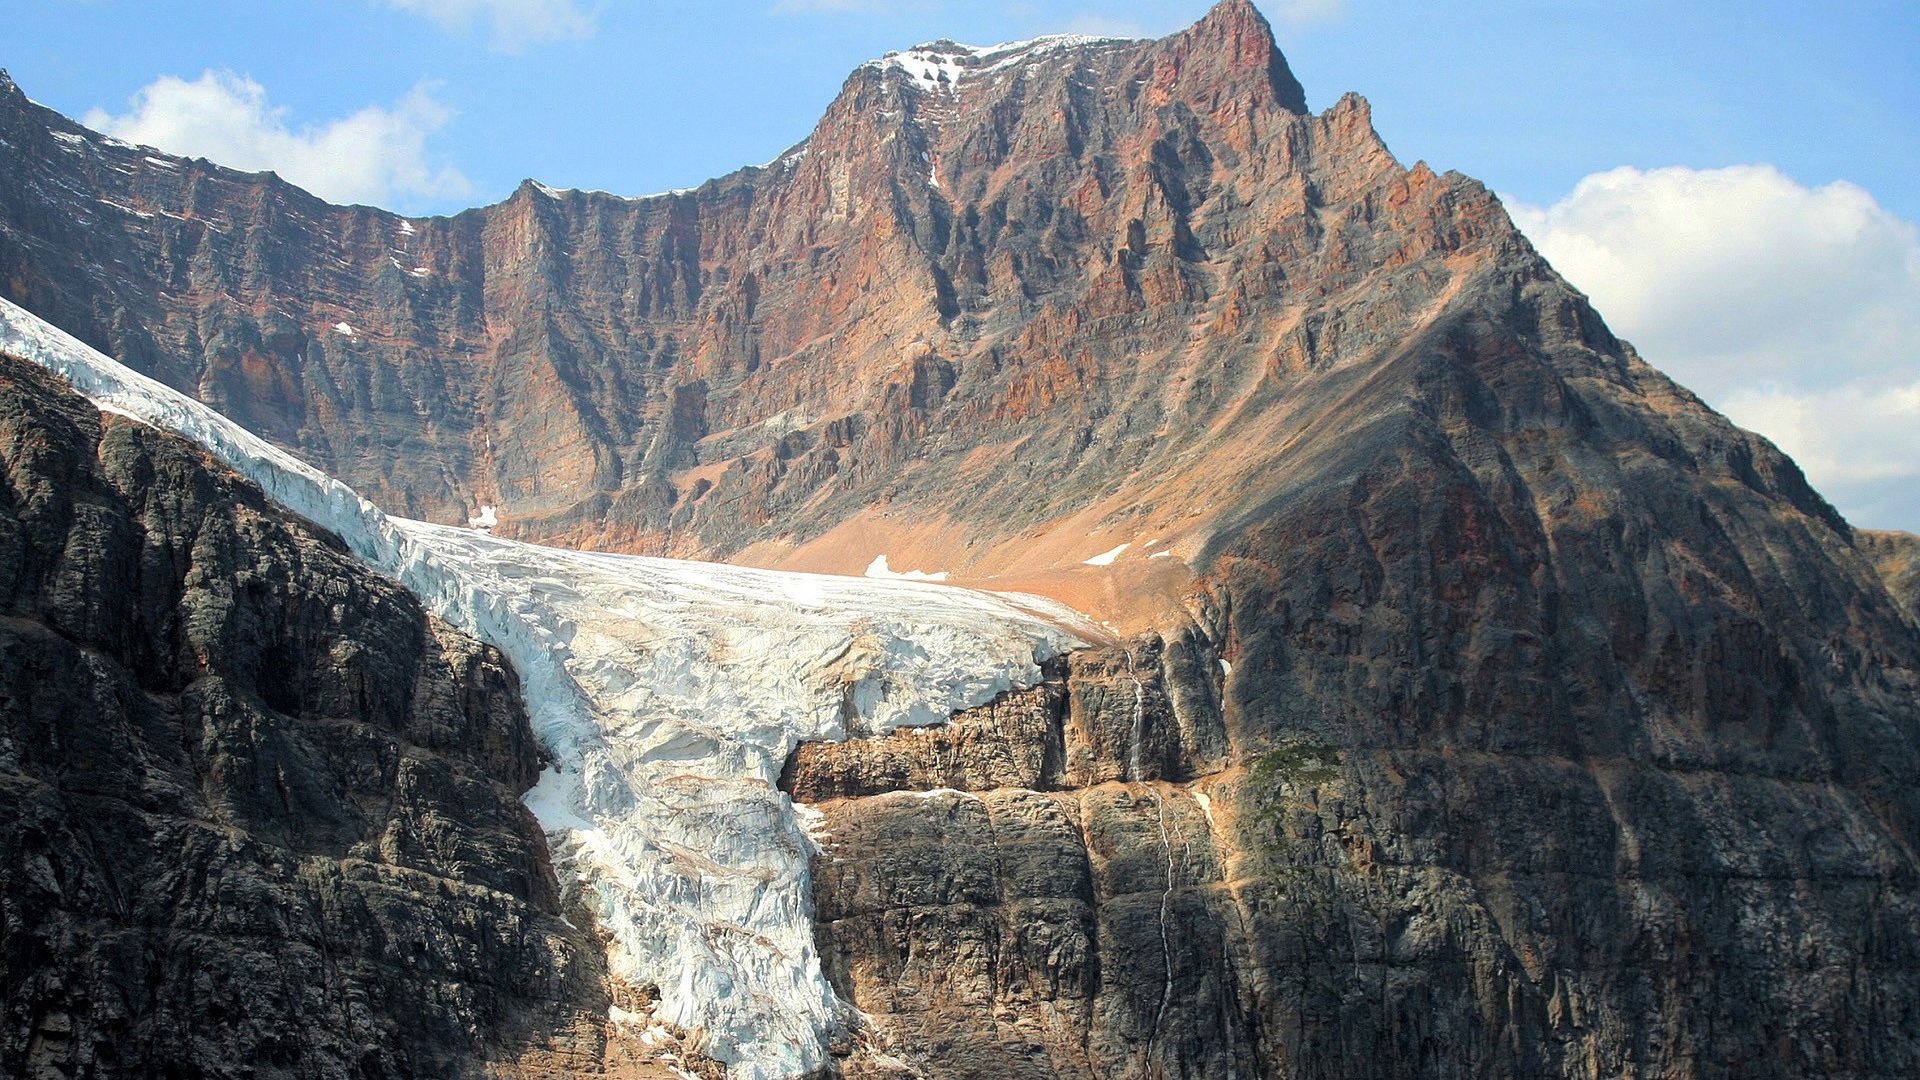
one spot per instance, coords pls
(1897, 556)
(1476, 701)
(980, 265)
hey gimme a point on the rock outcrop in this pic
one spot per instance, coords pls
(1415, 896)
(1897, 556)
(259, 813)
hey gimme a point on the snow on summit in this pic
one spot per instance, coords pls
(669, 695)
(942, 65)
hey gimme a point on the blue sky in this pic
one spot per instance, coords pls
(1734, 184)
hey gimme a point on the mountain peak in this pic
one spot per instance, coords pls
(1233, 40)
(1236, 32)
(1364, 495)
(944, 64)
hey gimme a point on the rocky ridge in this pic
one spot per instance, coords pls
(1897, 556)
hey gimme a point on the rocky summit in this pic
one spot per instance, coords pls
(1456, 695)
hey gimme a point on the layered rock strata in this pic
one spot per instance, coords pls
(1080, 882)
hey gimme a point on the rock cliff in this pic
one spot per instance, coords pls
(1897, 556)
(261, 812)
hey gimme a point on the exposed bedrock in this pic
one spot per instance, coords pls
(1262, 895)
(1103, 278)
(259, 812)
(1896, 555)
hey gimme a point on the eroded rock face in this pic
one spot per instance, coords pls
(1343, 900)
(259, 814)
(1109, 276)
(1014, 922)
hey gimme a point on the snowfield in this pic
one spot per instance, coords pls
(669, 694)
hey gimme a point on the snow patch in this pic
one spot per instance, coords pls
(789, 158)
(628, 1018)
(944, 65)
(938, 793)
(1106, 558)
(487, 518)
(786, 423)
(343, 328)
(122, 207)
(878, 568)
(552, 192)
(668, 695)
(1206, 808)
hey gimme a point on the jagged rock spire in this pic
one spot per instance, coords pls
(1235, 35)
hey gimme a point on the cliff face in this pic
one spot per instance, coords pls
(1034, 295)
(1497, 709)
(261, 812)
(1669, 835)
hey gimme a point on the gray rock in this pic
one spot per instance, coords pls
(259, 813)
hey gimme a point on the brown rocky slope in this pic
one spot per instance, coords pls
(1502, 711)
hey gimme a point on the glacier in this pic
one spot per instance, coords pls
(668, 695)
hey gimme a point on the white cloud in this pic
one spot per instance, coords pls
(1859, 442)
(1794, 310)
(513, 24)
(371, 156)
